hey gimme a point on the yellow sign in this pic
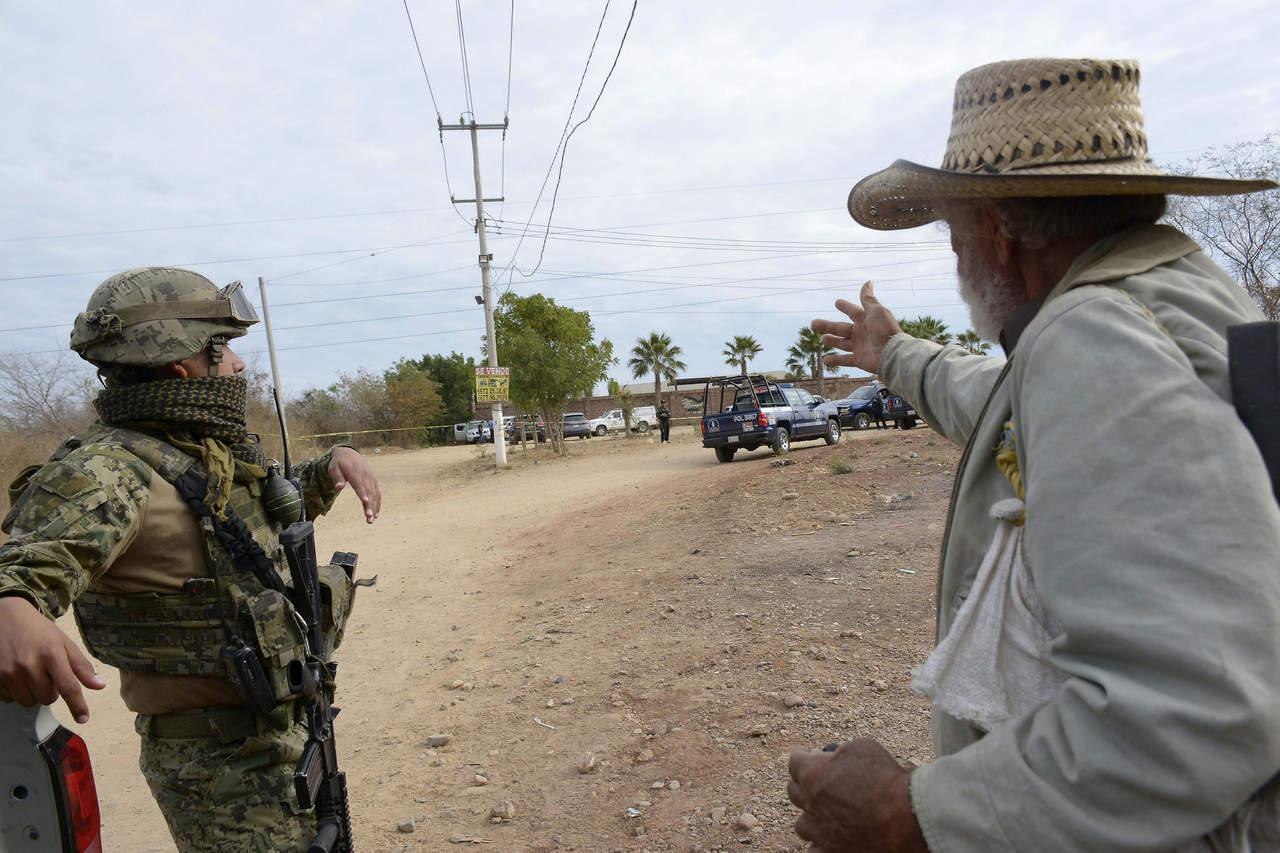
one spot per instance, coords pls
(493, 384)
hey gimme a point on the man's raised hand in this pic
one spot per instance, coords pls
(869, 328)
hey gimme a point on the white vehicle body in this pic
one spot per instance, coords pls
(50, 802)
(643, 418)
(472, 432)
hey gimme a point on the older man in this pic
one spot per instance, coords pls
(1108, 669)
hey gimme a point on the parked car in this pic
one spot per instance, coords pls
(753, 411)
(49, 802)
(472, 432)
(532, 426)
(643, 419)
(855, 410)
(575, 423)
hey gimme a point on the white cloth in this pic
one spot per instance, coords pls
(994, 663)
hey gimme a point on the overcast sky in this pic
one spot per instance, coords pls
(704, 198)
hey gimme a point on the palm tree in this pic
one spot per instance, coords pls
(795, 365)
(807, 353)
(655, 353)
(740, 350)
(969, 340)
(926, 327)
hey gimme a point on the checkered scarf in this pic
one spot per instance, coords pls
(200, 415)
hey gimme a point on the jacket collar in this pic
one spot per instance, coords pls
(1133, 251)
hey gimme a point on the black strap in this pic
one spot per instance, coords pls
(232, 532)
(1253, 353)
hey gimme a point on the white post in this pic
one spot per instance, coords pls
(275, 376)
(499, 434)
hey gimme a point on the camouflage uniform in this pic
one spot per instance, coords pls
(221, 776)
(230, 793)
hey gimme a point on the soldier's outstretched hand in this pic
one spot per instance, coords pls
(348, 466)
(869, 328)
(39, 663)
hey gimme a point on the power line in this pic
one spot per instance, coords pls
(627, 238)
(269, 221)
(506, 114)
(421, 61)
(444, 157)
(406, 210)
(279, 283)
(565, 149)
(563, 133)
(511, 36)
(440, 240)
(667, 287)
(538, 281)
(736, 283)
(221, 261)
(363, 341)
(669, 308)
(278, 280)
(679, 308)
(466, 70)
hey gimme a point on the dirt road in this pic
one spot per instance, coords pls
(623, 646)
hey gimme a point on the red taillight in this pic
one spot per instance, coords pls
(762, 419)
(72, 773)
(704, 427)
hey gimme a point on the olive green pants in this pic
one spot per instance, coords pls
(224, 780)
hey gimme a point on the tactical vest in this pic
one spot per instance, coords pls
(184, 633)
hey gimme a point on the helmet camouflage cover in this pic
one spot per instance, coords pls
(152, 316)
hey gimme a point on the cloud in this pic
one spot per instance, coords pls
(168, 134)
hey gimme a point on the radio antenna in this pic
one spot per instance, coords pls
(275, 378)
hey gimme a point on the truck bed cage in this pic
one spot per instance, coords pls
(752, 378)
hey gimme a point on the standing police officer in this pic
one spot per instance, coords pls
(664, 420)
(113, 526)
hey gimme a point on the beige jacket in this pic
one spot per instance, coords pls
(1153, 542)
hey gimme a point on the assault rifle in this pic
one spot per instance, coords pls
(318, 782)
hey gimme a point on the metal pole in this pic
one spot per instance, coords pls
(499, 435)
(275, 375)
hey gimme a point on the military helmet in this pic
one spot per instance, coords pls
(153, 316)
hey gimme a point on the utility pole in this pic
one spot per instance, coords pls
(499, 434)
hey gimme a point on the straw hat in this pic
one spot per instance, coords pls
(1034, 127)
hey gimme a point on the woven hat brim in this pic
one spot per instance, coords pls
(904, 195)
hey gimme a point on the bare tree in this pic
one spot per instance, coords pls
(1241, 232)
(45, 394)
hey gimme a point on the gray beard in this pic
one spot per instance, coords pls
(990, 294)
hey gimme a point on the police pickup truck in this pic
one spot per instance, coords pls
(855, 410)
(750, 411)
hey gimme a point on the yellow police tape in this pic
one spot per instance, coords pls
(412, 429)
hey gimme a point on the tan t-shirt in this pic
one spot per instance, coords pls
(160, 550)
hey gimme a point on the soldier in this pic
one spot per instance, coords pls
(128, 525)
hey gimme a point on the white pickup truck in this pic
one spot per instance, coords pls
(643, 418)
(49, 802)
